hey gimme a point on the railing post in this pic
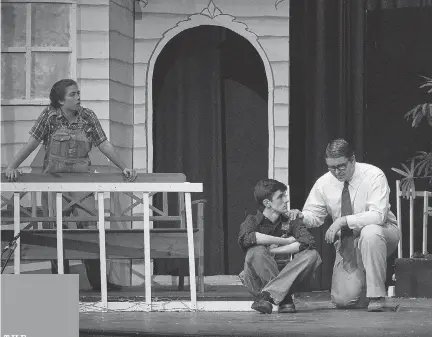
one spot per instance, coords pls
(17, 252)
(425, 221)
(191, 250)
(147, 272)
(399, 217)
(200, 222)
(59, 218)
(411, 200)
(102, 249)
(34, 208)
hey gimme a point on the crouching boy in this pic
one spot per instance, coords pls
(269, 238)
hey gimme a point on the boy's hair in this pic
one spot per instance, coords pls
(265, 189)
(58, 91)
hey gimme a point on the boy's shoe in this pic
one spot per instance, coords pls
(287, 305)
(263, 303)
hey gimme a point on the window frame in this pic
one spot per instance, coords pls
(28, 49)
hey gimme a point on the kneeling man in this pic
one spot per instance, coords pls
(269, 238)
(364, 229)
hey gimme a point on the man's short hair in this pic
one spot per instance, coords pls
(339, 148)
(58, 91)
(265, 189)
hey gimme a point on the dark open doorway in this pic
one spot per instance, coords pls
(210, 123)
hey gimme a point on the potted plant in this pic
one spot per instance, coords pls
(413, 274)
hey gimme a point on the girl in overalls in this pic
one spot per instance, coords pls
(68, 132)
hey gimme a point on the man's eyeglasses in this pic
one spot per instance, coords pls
(341, 167)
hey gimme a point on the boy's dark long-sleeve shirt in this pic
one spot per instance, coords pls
(259, 223)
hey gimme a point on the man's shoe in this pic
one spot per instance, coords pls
(263, 303)
(378, 304)
(287, 305)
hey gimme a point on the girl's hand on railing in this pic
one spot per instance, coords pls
(13, 174)
(130, 174)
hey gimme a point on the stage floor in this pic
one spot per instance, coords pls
(315, 317)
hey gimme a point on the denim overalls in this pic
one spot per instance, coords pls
(67, 151)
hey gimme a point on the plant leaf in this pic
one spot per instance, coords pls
(400, 172)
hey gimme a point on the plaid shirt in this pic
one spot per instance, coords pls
(259, 223)
(51, 119)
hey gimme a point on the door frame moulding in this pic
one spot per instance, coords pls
(210, 16)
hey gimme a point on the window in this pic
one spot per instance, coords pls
(38, 48)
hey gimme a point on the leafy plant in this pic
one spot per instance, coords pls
(420, 166)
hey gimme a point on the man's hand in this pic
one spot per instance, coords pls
(130, 174)
(294, 213)
(12, 174)
(334, 229)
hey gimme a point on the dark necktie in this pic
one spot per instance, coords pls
(346, 208)
(347, 250)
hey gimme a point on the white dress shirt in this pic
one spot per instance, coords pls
(369, 193)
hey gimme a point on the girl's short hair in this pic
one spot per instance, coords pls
(58, 91)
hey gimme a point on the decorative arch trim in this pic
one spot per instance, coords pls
(210, 16)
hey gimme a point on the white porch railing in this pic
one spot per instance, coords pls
(146, 188)
(421, 194)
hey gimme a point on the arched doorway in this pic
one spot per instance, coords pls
(210, 121)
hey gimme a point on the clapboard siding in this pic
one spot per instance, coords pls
(282, 174)
(122, 71)
(92, 45)
(140, 74)
(267, 26)
(15, 131)
(144, 49)
(140, 139)
(93, 17)
(248, 8)
(100, 108)
(121, 90)
(140, 95)
(9, 151)
(121, 47)
(281, 95)
(276, 48)
(121, 20)
(281, 114)
(140, 158)
(121, 112)
(153, 25)
(95, 69)
(121, 134)
(281, 157)
(126, 4)
(280, 73)
(139, 113)
(281, 136)
(94, 89)
(93, 61)
(21, 112)
(82, 3)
